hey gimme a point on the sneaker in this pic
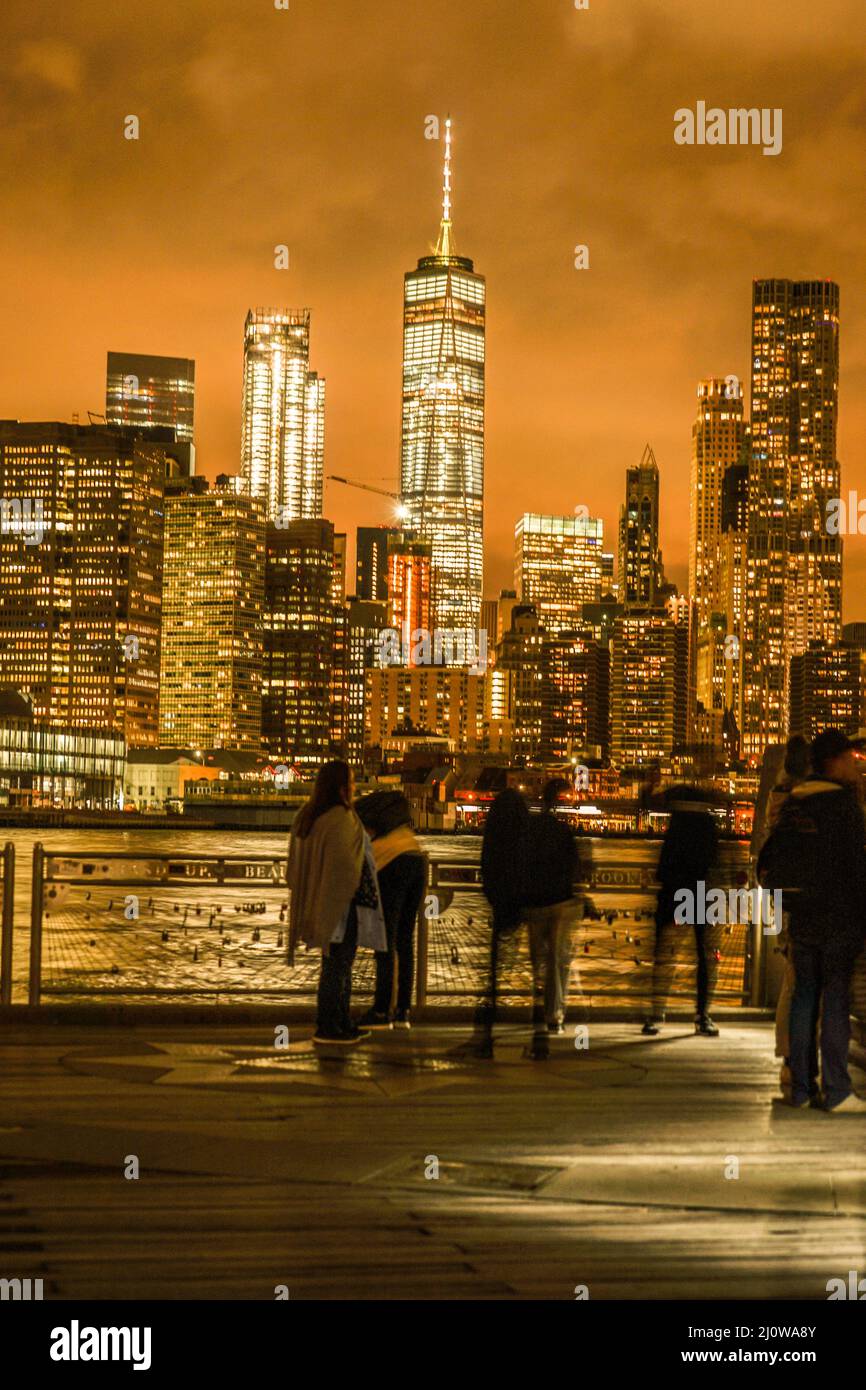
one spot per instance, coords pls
(328, 1039)
(356, 1034)
(373, 1020)
(401, 1019)
(705, 1026)
(851, 1105)
(651, 1028)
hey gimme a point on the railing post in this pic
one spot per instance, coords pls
(423, 941)
(36, 894)
(757, 964)
(8, 923)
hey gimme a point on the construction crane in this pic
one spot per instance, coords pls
(368, 487)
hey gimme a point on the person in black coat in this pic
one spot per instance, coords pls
(401, 868)
(687, 862)
(827, 923)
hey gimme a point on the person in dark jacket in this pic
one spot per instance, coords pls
(552, 863)
(401, 868)
(503, 878)
(827, 925)
(503, 859)
(688, 858)
(798, 752)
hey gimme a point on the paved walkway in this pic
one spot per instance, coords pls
(641, 1168)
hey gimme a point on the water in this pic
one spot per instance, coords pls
(203, 941)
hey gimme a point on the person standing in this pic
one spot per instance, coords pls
(401, 867)
(333, 888)
(823, 821)
(794, 771)
(552, 865)
(504, 879)
(688, 859)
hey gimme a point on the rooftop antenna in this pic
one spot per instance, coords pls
(443, 245)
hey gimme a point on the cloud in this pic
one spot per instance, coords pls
(51, 62)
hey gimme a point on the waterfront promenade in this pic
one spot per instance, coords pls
(611, 1167)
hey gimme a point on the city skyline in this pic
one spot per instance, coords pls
(535, 179)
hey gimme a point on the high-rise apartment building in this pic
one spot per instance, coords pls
(518, 687)
(441, 700)
(826, 689)
(81, 538)
(558, 566)
(728, 641)
(371, 561)
(283, 416)
(649, 694)
(143, 391)
(577, 701)
(794, 566)
(213, 592)
(717, 441)
(299, 619)
(365, 621)
(442, 460)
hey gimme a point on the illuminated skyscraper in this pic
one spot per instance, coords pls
(558, 567)
(577, 704)
(364, 622)
(442, 461)
(649, 696)
(210, 681)
(371, 556)
(640, 571)
(733, 583)
(717, 441)
(283, 416)
(300, 620)
(409, 567)
(81, 537)
(826, 689)
(144, 390)
(794, 566)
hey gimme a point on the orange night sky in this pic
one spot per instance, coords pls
(305, 126)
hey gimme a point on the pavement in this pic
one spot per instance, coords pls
(410, 1168)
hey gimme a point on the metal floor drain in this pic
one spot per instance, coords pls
(499, 1177)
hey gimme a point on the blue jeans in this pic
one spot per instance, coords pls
(822, 982)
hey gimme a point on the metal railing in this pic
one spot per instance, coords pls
(55, 873)
(7, 921)
(90, 938)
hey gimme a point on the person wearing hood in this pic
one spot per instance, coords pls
(334, 901)
(401, 867)
(827, 921)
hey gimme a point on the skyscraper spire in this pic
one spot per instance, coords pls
(444, 245)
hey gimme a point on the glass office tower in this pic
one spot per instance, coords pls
(442, 464)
